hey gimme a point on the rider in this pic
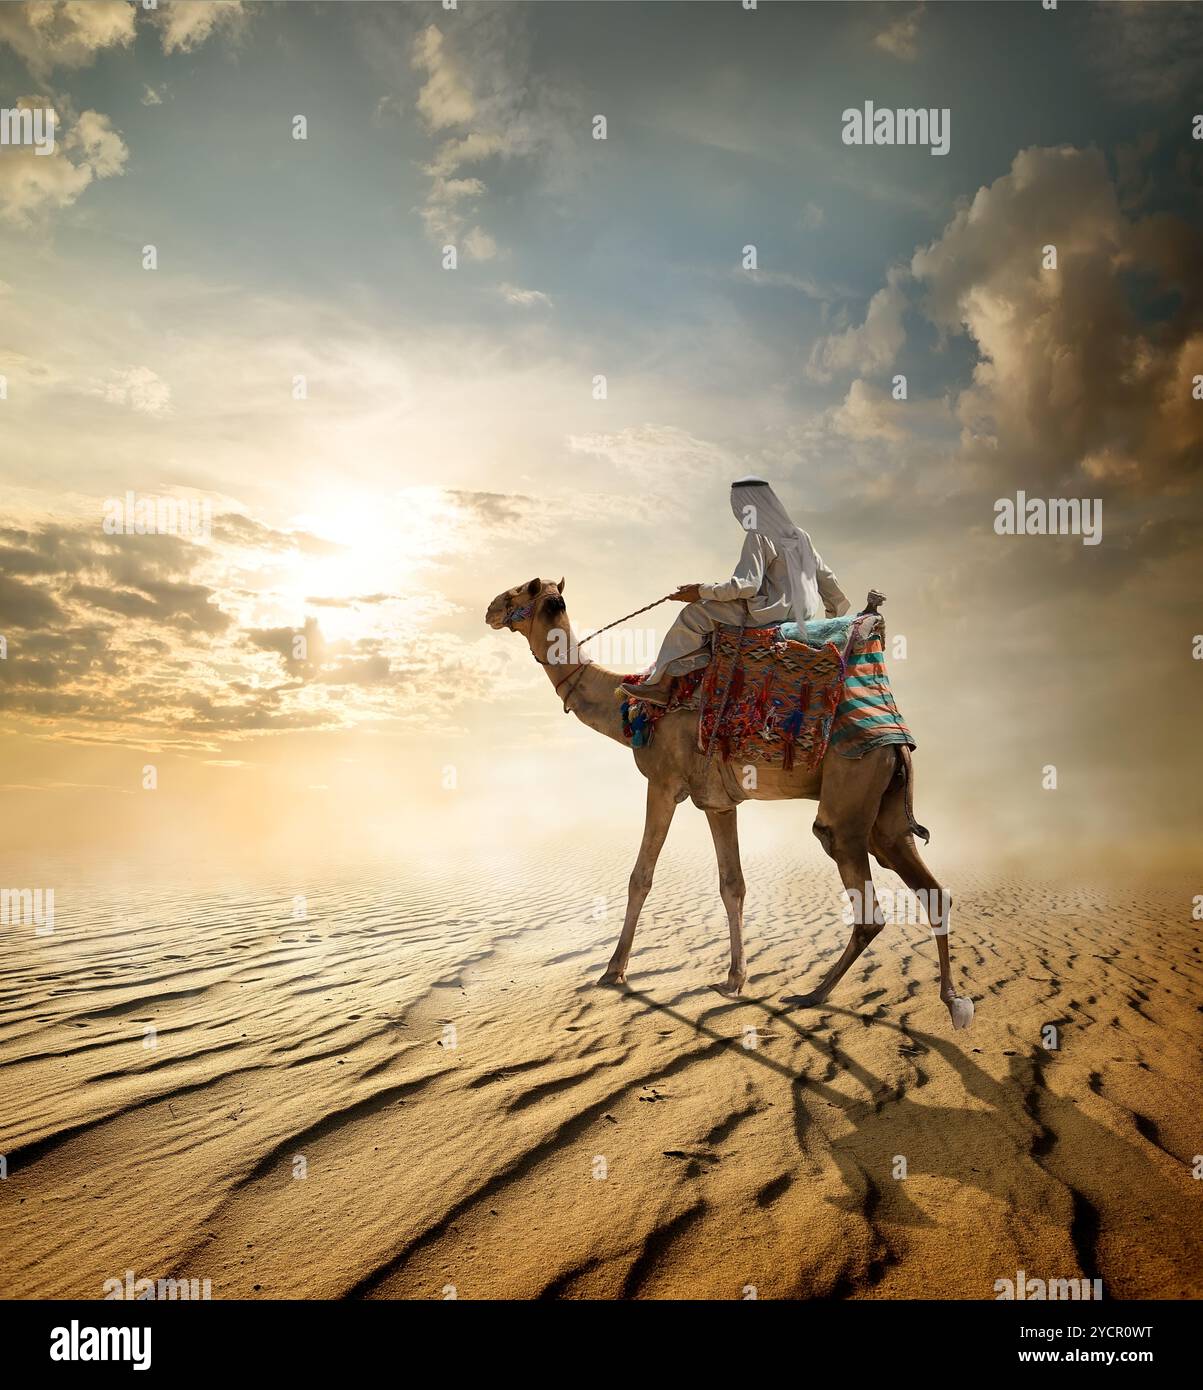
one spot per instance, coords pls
(780, 578)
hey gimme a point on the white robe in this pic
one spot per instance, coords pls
(757, 594)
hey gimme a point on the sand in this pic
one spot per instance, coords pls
(303, 1123)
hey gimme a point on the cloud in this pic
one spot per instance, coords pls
(26, 606)
(307, 655)
(441, 213)
(353, 601)
(480, 245)
(668, 463)
(1148, 52)
(186, 24)
(241, 530)
(513, 294)
(189, 607)
(476, 97)
(137, 388)
(495, 508)
(98, 144)
(65, 33)
(501, 518)
(1081, 377)
(780, 279)
(146, 639)
(454, 153)
(33, 185)
(49, 34)
(901, 39)
(1075, 373)
(445, 98)
(871, 347)
(82, 566)
(866, 413)
(153, 96)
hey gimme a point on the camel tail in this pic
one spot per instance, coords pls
(906, 767)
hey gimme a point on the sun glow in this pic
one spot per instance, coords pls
(355, 558)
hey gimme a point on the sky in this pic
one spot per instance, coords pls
(381, 443)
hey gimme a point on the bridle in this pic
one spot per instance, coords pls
(520, 614)
(517, 615)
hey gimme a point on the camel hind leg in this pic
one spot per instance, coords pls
(892, 843)
(848, 805)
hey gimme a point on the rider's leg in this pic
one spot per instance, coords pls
(686, 646)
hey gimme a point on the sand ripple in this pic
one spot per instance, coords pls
(302, 1122)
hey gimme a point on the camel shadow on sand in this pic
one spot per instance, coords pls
(1018, 1120)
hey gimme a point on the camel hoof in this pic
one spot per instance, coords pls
(730, 989)
(802, 1001)
(961, 1010)
(613, 977)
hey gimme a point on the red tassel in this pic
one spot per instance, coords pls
(762, 697)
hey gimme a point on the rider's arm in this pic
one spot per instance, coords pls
(748, 576)
(834, 601)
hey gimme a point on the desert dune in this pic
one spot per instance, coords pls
(419, 1091)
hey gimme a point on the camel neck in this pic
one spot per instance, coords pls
(588, 688)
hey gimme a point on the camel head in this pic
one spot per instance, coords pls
(527, 606)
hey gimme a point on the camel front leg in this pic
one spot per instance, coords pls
(731, 888)
(660, 807)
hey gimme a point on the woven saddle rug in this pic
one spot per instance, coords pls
(780, 695)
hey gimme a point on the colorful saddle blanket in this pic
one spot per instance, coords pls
(781, 695)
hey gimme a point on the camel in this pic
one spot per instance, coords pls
(864, 803)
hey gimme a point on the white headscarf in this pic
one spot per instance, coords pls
(758, 508)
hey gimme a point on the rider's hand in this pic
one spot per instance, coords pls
(687, 593)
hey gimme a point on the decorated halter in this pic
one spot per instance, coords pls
(516, 615)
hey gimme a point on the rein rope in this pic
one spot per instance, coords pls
(521, 613)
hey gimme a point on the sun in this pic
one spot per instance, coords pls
(355, 555)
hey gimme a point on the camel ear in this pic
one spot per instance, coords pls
(533, 587)
(560, 586)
